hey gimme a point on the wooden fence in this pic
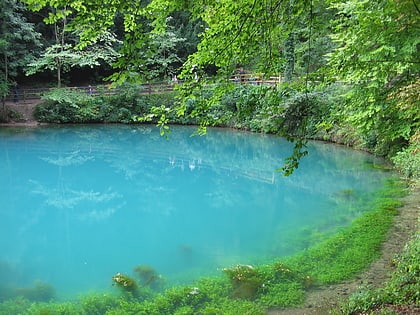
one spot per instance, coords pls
(26, 95)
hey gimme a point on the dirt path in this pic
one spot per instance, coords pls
(26, 110)
(320, 301)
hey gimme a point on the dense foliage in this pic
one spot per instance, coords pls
(107, 106)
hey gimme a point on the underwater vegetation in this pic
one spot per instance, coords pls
(145, 282)
(39, 292)
(246, 281)
(245, 289)
(148, 277)
(284, 273)
(126, 283)
(346, 193)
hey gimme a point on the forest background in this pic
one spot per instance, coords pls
(348, 71)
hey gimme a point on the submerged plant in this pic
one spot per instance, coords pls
(40, 292)
(253, 289)
(346, 193)
(125, 282)
(148, 276)
(284, 274)
(246, 281)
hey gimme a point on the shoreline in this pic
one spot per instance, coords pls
(320, 301)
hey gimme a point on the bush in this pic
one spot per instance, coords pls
(407, 160)
(74, 106)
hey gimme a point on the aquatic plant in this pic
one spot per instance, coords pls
(350, 250)
(53, 308)
(285, 274)
(286, 294)
(125, 282)
(17, 305)
(246, 280)
(99, 303)
(40, 292)
(148, 276)
(346, 194)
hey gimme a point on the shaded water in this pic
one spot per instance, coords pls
(81, 203)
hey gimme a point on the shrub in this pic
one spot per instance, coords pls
(73, 106)
(408, 159)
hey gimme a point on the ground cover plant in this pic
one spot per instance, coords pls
(400, 295)
(241, 289)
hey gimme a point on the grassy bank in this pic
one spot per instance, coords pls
(401, 293)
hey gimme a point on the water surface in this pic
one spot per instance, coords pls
(81, 203)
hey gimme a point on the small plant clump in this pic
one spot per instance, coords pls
(283, 274)
(247, 281)
(125, 282)
(148, 276)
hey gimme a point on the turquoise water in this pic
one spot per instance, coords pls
(81, 203)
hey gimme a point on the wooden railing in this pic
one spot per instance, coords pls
(30, 94)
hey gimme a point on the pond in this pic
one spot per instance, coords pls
(82, 203)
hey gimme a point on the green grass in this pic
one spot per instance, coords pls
(352, 249)
(252, 289)
(402, 291)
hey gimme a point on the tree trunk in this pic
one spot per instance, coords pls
(289, 45)
(58, 73)
(289, 54)
(6, 78)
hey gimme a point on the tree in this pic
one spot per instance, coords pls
(61, 57)
(18, 40)
(64, 53)
(163, 59)
(378, 56)
(374, 53)
(235, 32)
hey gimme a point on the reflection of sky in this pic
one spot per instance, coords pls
(73, 195)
